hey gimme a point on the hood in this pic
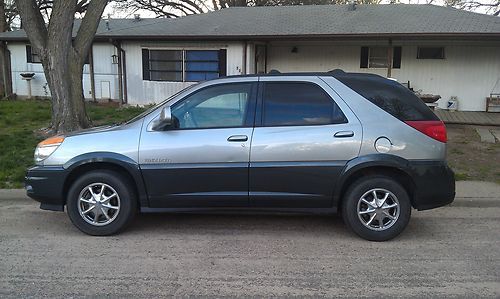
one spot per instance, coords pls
(93, 130)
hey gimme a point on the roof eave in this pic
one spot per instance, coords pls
(394, 36)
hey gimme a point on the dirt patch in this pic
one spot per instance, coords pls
(470, 158)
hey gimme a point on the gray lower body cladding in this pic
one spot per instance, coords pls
(433, 186)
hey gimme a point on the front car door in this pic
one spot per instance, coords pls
(304, 136)
(203, 160)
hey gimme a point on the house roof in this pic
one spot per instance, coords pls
(307, 21)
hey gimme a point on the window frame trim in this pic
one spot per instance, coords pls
(259, 114)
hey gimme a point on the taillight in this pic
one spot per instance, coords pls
(432, 128)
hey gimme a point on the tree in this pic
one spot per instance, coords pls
(489, 6)
(179, 8)
(62, 55)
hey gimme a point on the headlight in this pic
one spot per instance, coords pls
(45, 148)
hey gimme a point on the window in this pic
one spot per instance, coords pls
(183, 65)
(430, 53)
(165, 65)
(215, 107)
(290, 103)
(31, 55)
(376, 57)
(390, 96)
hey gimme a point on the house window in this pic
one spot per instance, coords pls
(430, 53)
(31, 55)
(377, 57)
(183, 65)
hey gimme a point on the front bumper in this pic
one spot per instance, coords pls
(434, 184)
(46, 185)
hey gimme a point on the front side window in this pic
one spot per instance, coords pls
(183, 65)
(220, 106)
(298, 104)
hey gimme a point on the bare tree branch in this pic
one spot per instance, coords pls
(36, 30)
(89, 25)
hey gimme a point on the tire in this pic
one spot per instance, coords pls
(110, 213)
(376, 220)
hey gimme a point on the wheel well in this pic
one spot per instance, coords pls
(82, 169)
(400, 176)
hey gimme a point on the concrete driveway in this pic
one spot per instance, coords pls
(448, 252)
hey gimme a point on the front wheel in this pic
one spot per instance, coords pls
(377, 208)
(101, 203)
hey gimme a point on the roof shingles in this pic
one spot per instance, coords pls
(312, 20)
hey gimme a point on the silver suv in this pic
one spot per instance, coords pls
(359, 144)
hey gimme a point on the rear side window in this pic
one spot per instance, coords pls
(390, 96)
(298, 104)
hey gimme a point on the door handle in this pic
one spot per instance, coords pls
(237, 138)
(343, 134)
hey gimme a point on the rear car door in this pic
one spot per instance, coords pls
(203, 161)
(304, 136)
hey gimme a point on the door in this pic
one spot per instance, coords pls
(203, 160)
(303, 141)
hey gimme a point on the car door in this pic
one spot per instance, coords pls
(202, 161)
(304, 136)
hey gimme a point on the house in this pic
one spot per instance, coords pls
(434, 49)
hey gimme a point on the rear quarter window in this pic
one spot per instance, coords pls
(390, 96)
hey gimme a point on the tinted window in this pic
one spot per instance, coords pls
(389, 95)
(288, 104)
(214, 107)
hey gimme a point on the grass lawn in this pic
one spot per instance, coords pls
(18, 122)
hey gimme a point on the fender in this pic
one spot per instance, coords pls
(356, 164)
(125, 162)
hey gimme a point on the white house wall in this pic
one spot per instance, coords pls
(469, 72)
(104, 72)
(142, 92)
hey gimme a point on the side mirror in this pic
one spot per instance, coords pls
(164, 121)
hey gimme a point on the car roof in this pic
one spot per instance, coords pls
(337, 73)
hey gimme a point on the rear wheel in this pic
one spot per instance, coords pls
(377, 208)
(101, 203)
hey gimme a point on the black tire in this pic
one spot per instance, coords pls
(360, 223)
(127, 202)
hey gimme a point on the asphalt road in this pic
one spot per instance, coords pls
(448, 252)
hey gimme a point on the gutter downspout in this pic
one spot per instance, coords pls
(92, 74)
(122, 75)
(244, 66)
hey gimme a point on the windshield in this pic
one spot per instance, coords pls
(154, 106)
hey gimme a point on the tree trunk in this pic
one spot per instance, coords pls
(64, 74)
